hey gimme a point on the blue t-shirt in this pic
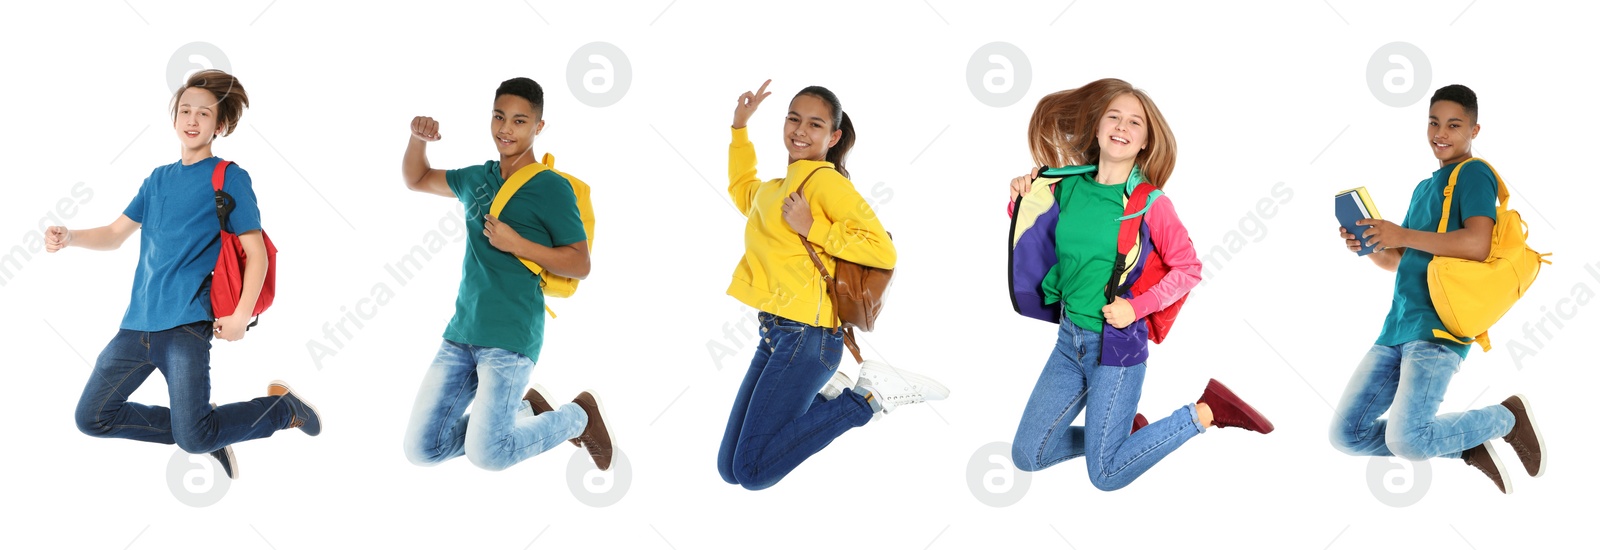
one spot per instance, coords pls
(179, 241)
(500, 303)
(1411, 316)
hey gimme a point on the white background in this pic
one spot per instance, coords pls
(1258, 93)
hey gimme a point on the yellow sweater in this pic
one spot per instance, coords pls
(776, 275)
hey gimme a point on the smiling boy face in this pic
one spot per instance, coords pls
(195, 119)
(514, 124)
(1450, 132)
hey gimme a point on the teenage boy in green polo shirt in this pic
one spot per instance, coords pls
(493, 341)
(1407, 371)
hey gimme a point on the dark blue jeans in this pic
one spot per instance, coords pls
(778, 420)
(183, 355)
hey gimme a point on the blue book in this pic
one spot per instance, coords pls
(1351, 206)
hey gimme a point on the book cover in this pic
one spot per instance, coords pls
(1351, 206)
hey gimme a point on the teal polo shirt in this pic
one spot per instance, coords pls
(1411, 314)
(500, 303)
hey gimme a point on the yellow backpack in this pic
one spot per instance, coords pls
(1471, 296)
(553, 285)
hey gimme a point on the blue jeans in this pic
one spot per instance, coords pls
(1074, 382)
(778, 420)
(492, 381)
(1409, 381)
(183, 355)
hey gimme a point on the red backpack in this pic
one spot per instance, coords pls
(227, 280)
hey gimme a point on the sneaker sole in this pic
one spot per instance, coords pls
(233, 470)
(932, 389)
(290, 391)
(1505, 476)
(1249, 411)
(232, 473)
(1538, 436)
(600, 405)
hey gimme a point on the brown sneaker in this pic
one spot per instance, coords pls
(540, 405)
(1524, 437)
(1484, 459)
(1139, 421)
(596, 439)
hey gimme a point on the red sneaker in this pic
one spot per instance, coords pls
(1228, 411)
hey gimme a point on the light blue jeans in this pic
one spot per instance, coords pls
(1409, 381)
(493, 436)
(1074, 382)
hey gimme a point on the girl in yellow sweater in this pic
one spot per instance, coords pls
(793, 401)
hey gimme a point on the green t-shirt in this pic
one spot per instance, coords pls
(1086, 248)
(500, 304)
(1411, 315)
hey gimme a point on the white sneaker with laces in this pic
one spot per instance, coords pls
(893, 387)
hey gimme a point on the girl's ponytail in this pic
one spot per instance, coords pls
(847, 139)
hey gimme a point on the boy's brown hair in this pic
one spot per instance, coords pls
(231, 98)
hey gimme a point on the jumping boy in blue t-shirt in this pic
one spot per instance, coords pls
(168, 325)
(1407, 371)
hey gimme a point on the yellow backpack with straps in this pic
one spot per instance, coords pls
(553, 285)
(1471, 296)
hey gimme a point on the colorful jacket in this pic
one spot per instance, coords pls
(1155, 279)
(776, 274)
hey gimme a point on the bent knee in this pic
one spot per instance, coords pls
(1023, 462)
(1406, 446)
(1107, 483)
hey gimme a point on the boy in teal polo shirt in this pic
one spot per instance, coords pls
(1407, 371)
(492, 343)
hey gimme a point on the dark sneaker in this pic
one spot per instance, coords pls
(230, 464)
(596, 439)
(1139, 421)
(540, 405)
(1487, 461)
(304, 414)
(1228, 411)
(224, 456)
(1524, 437)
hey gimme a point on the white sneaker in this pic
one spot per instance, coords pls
(893, 387)
(836, 386)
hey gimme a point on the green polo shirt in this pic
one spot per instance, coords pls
(500, 304)
(1411, 314)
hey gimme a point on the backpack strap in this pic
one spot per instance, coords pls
(827, 280)
(1129, 245)
(1503, 193)
(514, 183)
(224, 204)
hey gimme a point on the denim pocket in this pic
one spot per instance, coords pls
(201, 330)
(832, 348)
(788, 325)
